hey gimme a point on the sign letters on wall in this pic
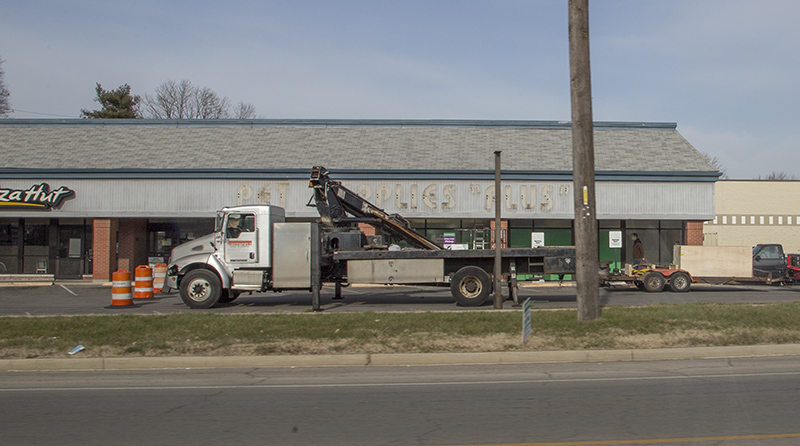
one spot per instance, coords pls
(38, 197)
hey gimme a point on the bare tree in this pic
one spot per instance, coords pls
(5, 103)
(244, 111)
(778, 176)
(207, 105)
(170, 102)
(714, 161)
(182, 100)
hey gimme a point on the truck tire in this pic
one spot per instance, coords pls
(201, 289)
(471, 286)
(679, 282)
(654, 282)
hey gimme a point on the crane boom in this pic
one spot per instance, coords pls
(334, 202)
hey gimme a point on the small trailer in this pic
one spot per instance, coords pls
(253, 249)
(765, 263)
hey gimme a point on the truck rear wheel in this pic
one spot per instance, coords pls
(680, 282)
(200, 289)
(654, 282)
(471, 286)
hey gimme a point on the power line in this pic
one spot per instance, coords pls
(14, 110)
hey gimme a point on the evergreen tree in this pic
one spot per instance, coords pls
(117, 104)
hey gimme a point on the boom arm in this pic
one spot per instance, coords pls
(334, 202)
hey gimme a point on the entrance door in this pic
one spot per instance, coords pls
(70, 261)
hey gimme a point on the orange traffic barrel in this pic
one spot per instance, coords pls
(159, 275)
(121, 289)
(143, 289)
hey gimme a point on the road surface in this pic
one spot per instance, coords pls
(730, 402)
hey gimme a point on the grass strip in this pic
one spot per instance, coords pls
(330, 333)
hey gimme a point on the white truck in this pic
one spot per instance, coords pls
(254, 249)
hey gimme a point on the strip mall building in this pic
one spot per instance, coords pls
(82, 198)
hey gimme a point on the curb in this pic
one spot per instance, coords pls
(399, 359)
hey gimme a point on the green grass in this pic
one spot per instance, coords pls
(316, 333)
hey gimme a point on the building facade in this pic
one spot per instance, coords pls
(749, 212)
(82, 198)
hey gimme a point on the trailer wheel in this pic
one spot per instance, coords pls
(201, 289)
(471, 286)
(679, 282)
(654, 282)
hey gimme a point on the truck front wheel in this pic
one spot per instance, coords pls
(200, 289)
(471, 286)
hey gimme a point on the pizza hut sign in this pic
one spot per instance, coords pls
(37, 198)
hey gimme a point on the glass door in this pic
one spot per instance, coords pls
(71, 247)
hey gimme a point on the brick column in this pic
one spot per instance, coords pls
(694, 233)
(132, 243)
(504, 234)
(104, 248)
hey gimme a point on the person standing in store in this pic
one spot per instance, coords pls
(638, 249)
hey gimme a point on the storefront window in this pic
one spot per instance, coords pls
(9, 246)
(658, 239)
(36, 246)
(165, 234)
(36, 235)
(540, 224)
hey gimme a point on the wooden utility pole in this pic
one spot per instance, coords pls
(587, 266)
(498, 258)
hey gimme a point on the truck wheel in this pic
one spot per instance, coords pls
(654, 282)
(201, 289)
(471, 286)
(679, 282)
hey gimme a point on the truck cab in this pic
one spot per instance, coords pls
(237, 256)
(769, 261)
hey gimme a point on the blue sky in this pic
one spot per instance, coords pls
(726, 71)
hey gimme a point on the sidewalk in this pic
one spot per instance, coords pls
(406, 359)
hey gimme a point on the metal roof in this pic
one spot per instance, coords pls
(285, 148)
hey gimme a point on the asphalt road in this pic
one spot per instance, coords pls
(70, 298)
(730, 402)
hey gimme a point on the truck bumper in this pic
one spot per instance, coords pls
(171, 282)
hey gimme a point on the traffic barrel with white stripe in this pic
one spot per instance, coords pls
(143, 289)
(159, 275)
(121, 289)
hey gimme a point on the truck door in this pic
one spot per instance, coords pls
(768, 259)
(241, 238)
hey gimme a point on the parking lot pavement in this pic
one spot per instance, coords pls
(74, 298)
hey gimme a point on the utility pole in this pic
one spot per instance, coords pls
(498, 258)
(587, 266)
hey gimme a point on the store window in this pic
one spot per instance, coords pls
(658, 238)
(9, 246)
(36, 235)
(470, 232)
(165, 234)
(36, 246)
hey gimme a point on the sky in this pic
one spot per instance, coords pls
(726, 71)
